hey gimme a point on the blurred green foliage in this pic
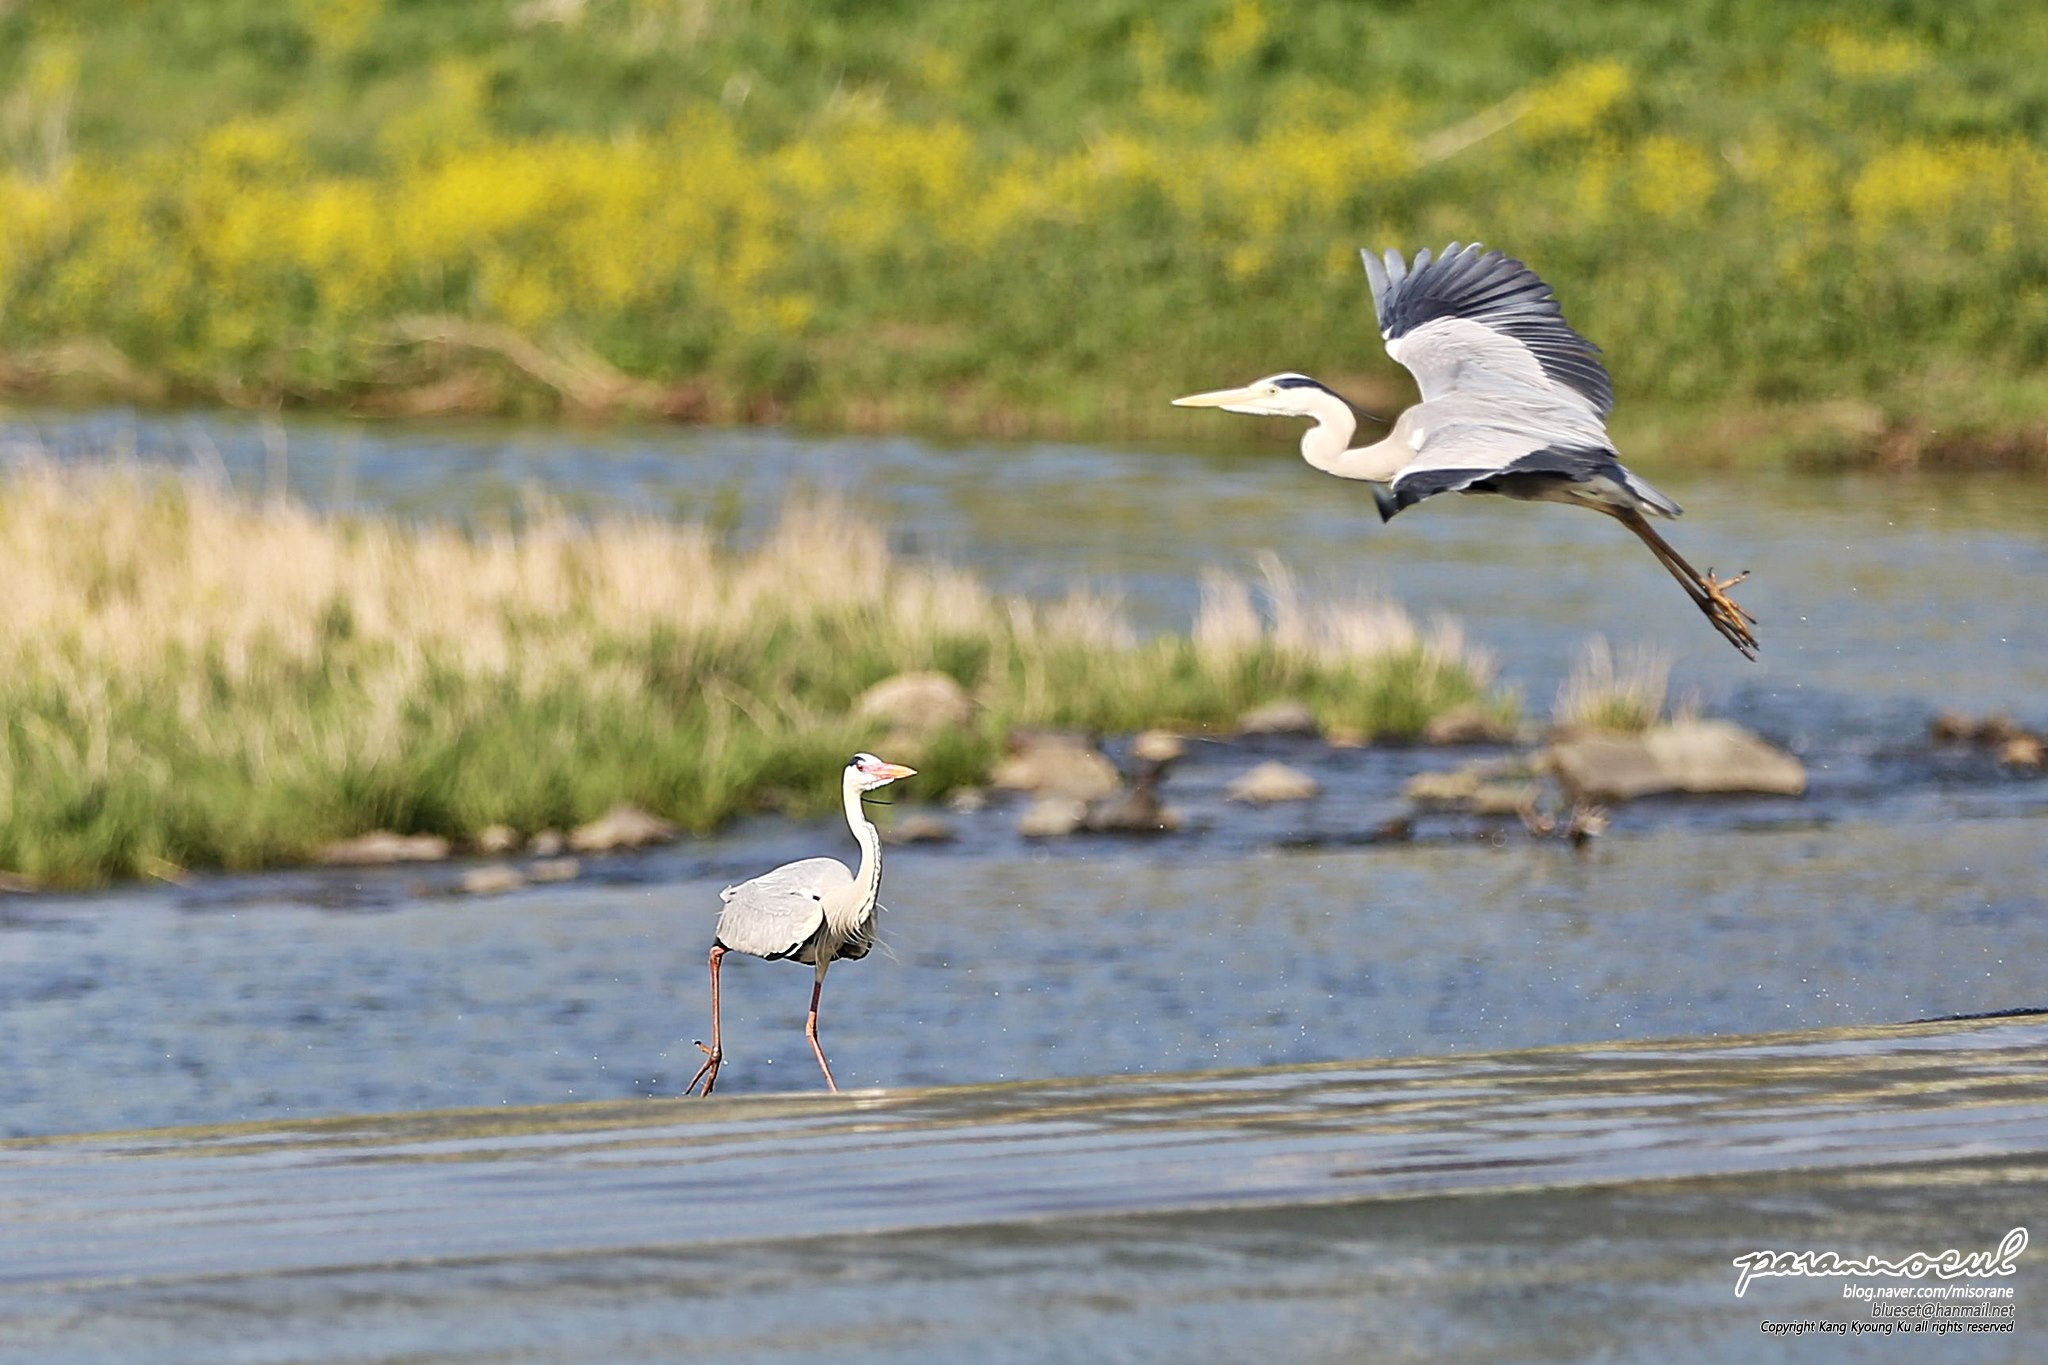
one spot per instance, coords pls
(1010, 216)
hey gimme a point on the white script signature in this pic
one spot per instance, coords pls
(1947, 1265)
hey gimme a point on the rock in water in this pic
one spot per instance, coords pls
(495, 880)
(620, 827)
(554, 869)
(1951, 727)
(1503, 798)
(2022, 751)
(1273, 782)
(918, 704)
(919, 829)
(1720, 756)
(1996, 729)
(1443, 790)
(1050, 764)
(1694, 756)
(1136, 810)
(380, 847)
(1158, 746)
(1466, 724)
(1052, 817)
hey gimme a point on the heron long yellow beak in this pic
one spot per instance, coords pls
(895, 772)
(1216, 398)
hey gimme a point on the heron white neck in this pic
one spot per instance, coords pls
(1327, 444)
(869, 876)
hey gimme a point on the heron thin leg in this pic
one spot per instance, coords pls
(811, 1032)
(1708, 593)
(715, 1054)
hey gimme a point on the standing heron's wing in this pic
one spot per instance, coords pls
(1476, 321)
(778, 912)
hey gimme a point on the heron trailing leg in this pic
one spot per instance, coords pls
(1708, 593)
(811, 1030)
(715, 1054)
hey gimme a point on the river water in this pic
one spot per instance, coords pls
(1909, 883)
(1069, 1191)
(1538, 1205)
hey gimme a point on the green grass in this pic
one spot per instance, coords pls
(188, 679)
(1025, 218)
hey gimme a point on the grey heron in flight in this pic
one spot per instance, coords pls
(814, 911)
(1514, 402)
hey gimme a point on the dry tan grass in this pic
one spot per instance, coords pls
(1350, 629)
(195, 676)
(1623, 693)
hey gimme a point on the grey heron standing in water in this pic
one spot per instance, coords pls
(1514, 402)
(814, 911)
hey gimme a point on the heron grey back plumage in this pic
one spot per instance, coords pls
(781, 914)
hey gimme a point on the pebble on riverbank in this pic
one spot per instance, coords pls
(497, 840)
(622, 827)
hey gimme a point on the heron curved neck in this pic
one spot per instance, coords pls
(1327, 444)
(1377, 463)
(868, 878)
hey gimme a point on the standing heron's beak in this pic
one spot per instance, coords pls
(895, 772)
(1219, 398)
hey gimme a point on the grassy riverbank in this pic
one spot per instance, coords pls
(190, 678)
(1793, 231)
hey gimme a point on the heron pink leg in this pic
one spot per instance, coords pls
(715, 1054)
(811, 1032)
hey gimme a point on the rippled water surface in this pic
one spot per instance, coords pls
(1565, 1204)
(1907, 884)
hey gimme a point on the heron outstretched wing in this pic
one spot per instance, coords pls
(778, 912)
(1478, 321)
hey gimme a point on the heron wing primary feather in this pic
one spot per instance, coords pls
(1473, 320)
(777, 913)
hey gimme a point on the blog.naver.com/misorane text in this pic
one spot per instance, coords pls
(1914, 1294)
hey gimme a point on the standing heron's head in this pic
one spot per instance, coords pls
(868, 772)
(1277, 395)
